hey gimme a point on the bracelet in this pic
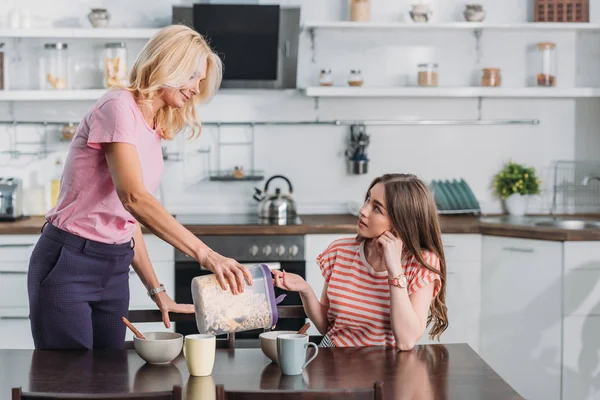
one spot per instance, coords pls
(157, 290)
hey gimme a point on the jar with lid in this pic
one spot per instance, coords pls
(219, 311)
(3, 85)
(115, 64)
(547, 72)
(428, 74)
(491, 77)
(55, 68)
(355, 78)
(326, 77)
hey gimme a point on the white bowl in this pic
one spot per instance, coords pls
(268, 343)
(158, 347)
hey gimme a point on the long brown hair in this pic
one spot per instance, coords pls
(415, 219)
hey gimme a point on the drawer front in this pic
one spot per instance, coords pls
(13, 289)
(582, 292)
(582, 256)
(138, 297)
(15, 330)
(462, 247)
(158, 249)
(17, 247)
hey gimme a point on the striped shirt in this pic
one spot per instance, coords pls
(359, 297)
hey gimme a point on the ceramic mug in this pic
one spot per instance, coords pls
(199, 353)
(291, 352)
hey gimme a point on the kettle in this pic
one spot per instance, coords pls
(276, 208)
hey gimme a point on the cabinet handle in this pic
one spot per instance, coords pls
(449, 246)
(13, 317)
(13, 272)
(11, 245)
(519, 249)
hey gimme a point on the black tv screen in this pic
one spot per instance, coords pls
(245, 36)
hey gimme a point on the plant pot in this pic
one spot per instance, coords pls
(516, 204)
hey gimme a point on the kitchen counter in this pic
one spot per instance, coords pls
(346, 224)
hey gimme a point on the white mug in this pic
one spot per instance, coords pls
(199, 353)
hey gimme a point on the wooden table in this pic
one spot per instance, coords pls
(428, 372)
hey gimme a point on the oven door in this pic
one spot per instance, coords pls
(186, 271)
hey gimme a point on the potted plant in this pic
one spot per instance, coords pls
(513, 184)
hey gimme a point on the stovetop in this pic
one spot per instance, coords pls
(228, 219)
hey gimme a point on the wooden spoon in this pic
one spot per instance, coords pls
(132, 328)
(304, 328)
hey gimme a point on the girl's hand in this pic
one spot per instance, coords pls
(166, 305)
(290, 282)
(392, 251)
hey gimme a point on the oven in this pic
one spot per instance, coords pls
(278, 251)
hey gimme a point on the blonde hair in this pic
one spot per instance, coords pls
(414, 217)
(169, 58)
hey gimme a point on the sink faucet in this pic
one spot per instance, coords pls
(589, 178)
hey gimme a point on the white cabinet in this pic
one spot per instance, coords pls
(521, 313)
(15, 251)
(463, 290)
(581, 337)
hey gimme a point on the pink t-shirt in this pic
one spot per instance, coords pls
(88, 205)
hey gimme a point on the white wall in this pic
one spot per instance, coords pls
(312, 156)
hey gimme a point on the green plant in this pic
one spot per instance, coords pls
(516, 178)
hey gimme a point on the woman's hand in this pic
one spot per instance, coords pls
(228, 271)
(290, 282)
(392, 251)
(166, 305)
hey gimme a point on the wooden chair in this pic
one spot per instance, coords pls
(374, 393)
(175, 394)
(140, 316)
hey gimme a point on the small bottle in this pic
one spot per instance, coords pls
(325, 77)
(355, 78)
(55, 183)
(428, 74)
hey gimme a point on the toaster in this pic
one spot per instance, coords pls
(11, 199)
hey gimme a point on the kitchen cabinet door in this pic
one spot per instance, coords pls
(581, 357)
(15, 330)
(521, 313)
(138, 294)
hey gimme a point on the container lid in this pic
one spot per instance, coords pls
(326, 71)
(116, 45)
(355, 71)
(428, 65)
(57, 45)
(546, 45)
(271, 291)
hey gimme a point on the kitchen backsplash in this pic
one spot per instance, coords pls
(312, 157)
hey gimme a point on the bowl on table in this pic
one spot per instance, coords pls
(158, 347)
(268, 343)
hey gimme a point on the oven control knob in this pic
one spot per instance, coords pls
(267, 250)
(280, 250)
(294, 250)
(254, 250)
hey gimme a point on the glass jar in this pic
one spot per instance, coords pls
(55, 68)
(2, 67)
(326, 77)
(360, 10)
(115, 64)
(547, 75)
(355, 78)
(219, 311)
(491, 77)
(427, 75)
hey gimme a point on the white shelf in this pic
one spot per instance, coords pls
(50, 95)
(533, 26)
(79, 33)
(528, 92)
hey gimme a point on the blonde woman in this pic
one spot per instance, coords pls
(79, 270)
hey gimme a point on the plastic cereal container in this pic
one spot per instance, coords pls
(219, 312)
